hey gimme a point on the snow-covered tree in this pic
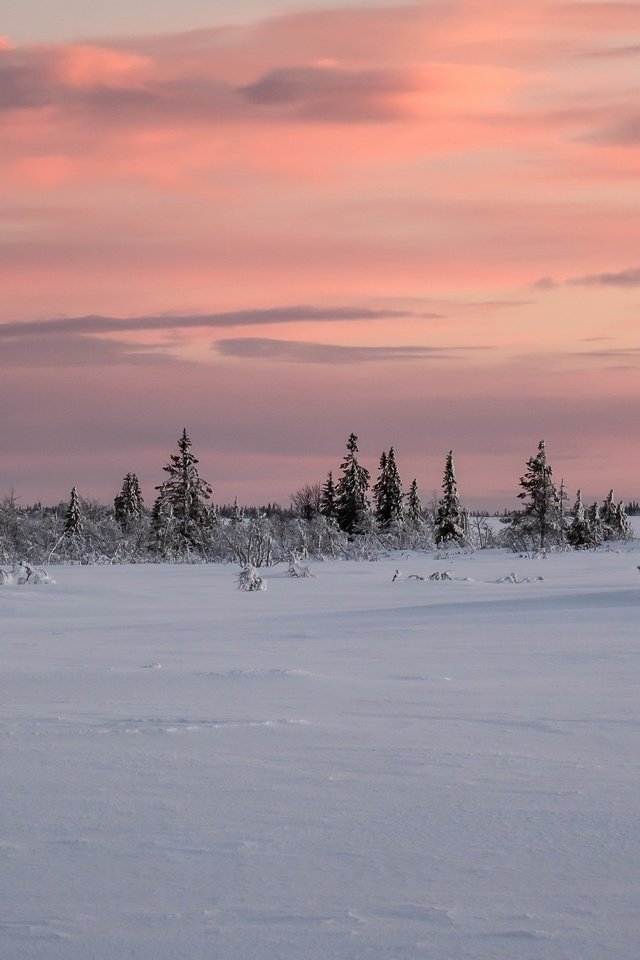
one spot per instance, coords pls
(563, 498)
(73, 518)
(413, 512)
(615, 523)
(540, 517)
(579, 532)
(328, 506)
(450, 521)
(387, 491)
(183, 497)
(596, 528)
(128, 504)
(236, 512)
(623, 525)
(609, 517)
(351, 489)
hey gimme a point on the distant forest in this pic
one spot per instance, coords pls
(349, 516)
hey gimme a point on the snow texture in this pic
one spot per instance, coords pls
(342, 767)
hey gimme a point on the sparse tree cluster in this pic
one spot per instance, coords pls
(345, 517)
(542, 523)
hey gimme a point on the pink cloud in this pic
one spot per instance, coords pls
(441, 151)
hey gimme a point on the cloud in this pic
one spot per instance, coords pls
(615, 52)
(121, 88)
(296, 351)
(94, 324)
(612, 352)
(72, 350)
(602, 16)
(624, 278)
(331, 94)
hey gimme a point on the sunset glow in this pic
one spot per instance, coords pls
(419, 223)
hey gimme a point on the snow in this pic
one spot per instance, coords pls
(342, 767)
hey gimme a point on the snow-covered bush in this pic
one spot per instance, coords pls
(22, 573)
(298, 570)
(249, 579)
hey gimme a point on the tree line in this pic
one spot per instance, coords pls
(346, 516)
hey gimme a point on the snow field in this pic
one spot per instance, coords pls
(339, 767)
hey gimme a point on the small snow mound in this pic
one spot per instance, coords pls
(22, 573)
(299, 571)
(513, 578)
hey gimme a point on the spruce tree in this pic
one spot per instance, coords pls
(351, 489)
(609, 516)
(449, 520)
(563, 497)
(414, 504)
(73, 517)
(540, 517)
(623, 526)
(387, 492)
(128, 504)
(236, 512)
(328, 506)
(183, 496)
(579, 532)
(379, 489)
(596, 529)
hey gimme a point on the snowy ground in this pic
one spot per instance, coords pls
(341, 767)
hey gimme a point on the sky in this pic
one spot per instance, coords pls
(277, 224)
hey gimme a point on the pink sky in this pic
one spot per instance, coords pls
(419, 223)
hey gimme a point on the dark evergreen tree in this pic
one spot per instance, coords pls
(414, 504)
(562, 522)
(387, 492)
(236, 512)
(449, 520)
(73, 517)
(540, 517)
(184, 496)
(351, 489)
(128, 504)
(328, 506)
(379, 488)
(609, 517)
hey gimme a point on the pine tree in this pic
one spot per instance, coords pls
(73, 517)
(128, 504)
(540, 517)
(450, 520)
(596, 530)
(624, 528)
(351, 489)
(183, 496)
(387, 492)
(328, 506)
(379, 489)
(563, 497)
(609, 517)
(579, 532)
(236, 512)
(414, 504)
